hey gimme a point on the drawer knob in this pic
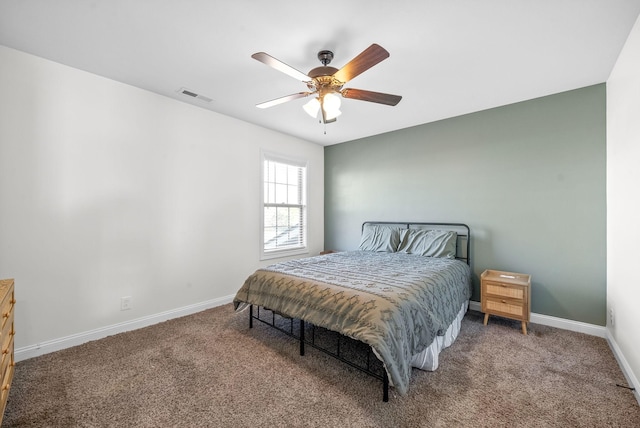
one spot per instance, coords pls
(504, 301)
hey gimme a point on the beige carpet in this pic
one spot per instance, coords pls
(210, 370)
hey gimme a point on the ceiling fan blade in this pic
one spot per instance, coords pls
(280, 66)
(374, 97)
(361, 63)
(281, 100)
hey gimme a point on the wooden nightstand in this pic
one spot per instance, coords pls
(506, 294)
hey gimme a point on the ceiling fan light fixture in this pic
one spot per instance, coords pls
(312, 107)
(331, 106)
(331, 115)
(331, 102)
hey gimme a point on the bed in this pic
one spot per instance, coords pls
(403, 294)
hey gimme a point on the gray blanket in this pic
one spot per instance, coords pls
(396, 303)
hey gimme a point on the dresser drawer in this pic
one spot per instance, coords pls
(7, 330)
(7, 377)
(6, 308)
(6, 358)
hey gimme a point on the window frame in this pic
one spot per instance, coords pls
(290, 161)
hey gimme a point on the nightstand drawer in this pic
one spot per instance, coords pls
(505, 307)
(504, 290)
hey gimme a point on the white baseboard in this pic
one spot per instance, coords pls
(100, 333)
(80, 338)
(632, 380)
(577, 326)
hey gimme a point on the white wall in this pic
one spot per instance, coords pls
(107, 190)
(623, 203)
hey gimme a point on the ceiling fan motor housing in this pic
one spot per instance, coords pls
(325, 57)
(323, 80)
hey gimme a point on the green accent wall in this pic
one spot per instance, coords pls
(528, 178)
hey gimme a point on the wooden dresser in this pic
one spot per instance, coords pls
(7, 365)
(506, 294)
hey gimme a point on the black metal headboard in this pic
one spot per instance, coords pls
(462, 231)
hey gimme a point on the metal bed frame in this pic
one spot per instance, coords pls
(379, 372)
(303, 338)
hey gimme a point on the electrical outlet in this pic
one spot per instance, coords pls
(125, 303)
(611, 317)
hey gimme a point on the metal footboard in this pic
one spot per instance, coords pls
(316, 337)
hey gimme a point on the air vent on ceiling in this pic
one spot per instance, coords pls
(190, 93)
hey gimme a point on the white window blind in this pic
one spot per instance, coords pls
(284, 213)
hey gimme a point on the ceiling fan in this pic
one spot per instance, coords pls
(326, 82)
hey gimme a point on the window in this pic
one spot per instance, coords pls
(284, 214)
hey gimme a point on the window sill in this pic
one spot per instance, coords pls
(283, 253)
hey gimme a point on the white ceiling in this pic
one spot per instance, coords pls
(447, 57)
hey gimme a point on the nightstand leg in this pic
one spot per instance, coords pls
(486, 318)
(524, 327)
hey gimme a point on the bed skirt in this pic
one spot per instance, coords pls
(428, 359)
